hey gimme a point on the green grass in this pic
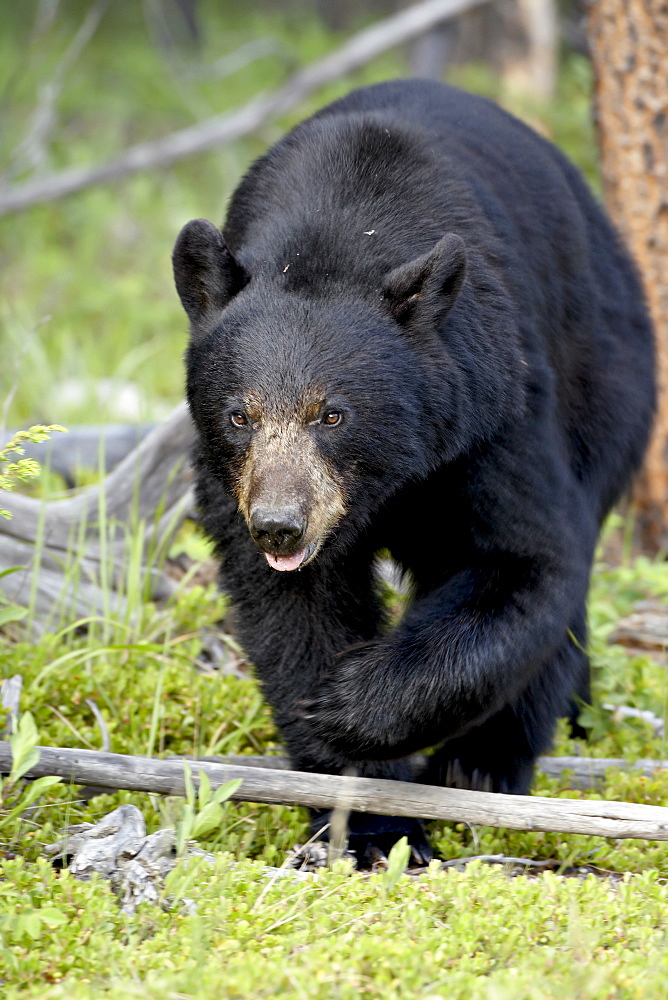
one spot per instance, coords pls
(477, 934)
(86, 294)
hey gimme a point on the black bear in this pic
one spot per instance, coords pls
(417, 333)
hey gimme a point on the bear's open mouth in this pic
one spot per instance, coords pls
(294, 561)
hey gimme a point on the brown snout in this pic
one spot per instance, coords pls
(290, 497)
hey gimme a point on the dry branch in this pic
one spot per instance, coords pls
(583, 772)
(367, 795)
(223, 129)
(646, 628)
(32, 149)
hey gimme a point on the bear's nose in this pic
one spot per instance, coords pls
(277, 530)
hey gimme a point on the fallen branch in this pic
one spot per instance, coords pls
(583, 772)
(10, 701)
(32, 149)
(223, 129)
(325, 791)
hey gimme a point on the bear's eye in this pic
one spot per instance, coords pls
(332, 417)
(238, 418)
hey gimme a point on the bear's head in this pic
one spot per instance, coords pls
(314, 405)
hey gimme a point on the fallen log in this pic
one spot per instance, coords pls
(85, 447)
(589, 772)
(583, 772)
(88, 529)
(645, 629)
(619, 820)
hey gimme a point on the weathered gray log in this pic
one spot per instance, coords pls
(223, 129)
(149, 467)
(80, 448)
(583, 772)
(151, 484)
(589, 772)
(325, 791)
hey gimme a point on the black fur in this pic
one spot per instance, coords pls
(447, 278)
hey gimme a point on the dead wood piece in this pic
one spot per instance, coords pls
(646, 628)
(153, 476)
(96, 847)
(136, 866)
(326, 791)
(496, 859)
(118, 849)
(151, 484)
(57, 593)
(140, 879)
(629, 712)
(223, 129)
(583, 772)
(589, 772)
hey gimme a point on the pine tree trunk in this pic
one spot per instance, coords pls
(629, 47)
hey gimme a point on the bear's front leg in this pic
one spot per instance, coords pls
(293, 627)
(460, 655)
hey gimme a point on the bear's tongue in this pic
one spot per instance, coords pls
(286, 562)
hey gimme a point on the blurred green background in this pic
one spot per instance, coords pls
(90, 326)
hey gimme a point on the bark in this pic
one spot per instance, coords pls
(629, 46)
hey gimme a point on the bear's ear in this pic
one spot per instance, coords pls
(206, 274)
(429, 285)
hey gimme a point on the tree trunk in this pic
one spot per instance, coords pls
(629, 46)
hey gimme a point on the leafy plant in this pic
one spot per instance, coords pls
(14, 799)
(24, 469)
(28, 925)
(397, 863)
(203, 811)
